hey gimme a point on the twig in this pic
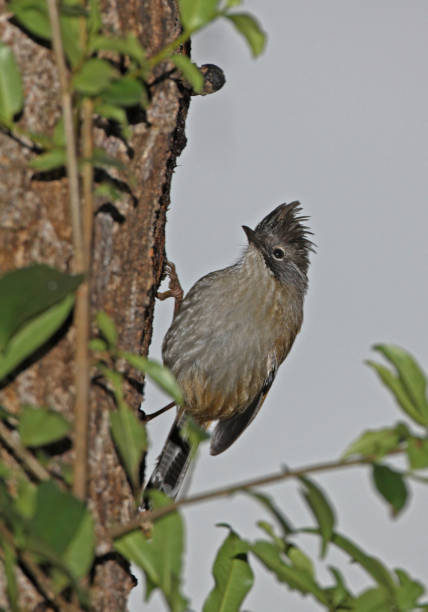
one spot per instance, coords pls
(153, 415)
(82, 316)
(152, 515)
(81, 313)
(30, 463)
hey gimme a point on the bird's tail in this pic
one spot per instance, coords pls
(175, 458)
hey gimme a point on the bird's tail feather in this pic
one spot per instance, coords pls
(174, 460)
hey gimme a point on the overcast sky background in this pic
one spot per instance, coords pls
(335, 114)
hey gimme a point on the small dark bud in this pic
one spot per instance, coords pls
(214, 79)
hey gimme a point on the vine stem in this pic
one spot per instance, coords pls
(81, 311)
(30, 463)
(152, 515)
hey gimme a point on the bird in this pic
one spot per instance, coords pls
(231, 333)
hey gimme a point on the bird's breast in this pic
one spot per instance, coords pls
(232, 326)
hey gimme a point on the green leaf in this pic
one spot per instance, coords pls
(233, 576)
(124, 46)
(377, 443)
(194, 434)
(25, 501)
(300, 560)
(391, 486)
(39, 426)
(93, 21)
(114, 113)
(55, 158)
(339, 593)
(232, 3)
(296, 579)
(410, 375)
(251, 30)
(26, 292)
(101, 159)
(107, 189)
(97, 345)
(11, 96)
(157, 372)
(129, 435)
(268, 528)
(125, 91)
(161, 557)
(59, 133)
(372, 600)
(272, 508)
(373, 566)
(409, 591)
(107, 327)
(10, 562)
(321, 509)
(417, 453)
(197, 13)
(33, 15)
(62, 527)
(94, 76)
(79, 554)
(34, 334)
(189, 70)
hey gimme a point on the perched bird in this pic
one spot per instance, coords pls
(231, 333)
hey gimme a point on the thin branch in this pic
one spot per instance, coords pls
(152, 515)
(30, 463)
(81, 313)
(71, 162)
(153, 415)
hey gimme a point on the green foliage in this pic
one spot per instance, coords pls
(33, 16)
(64, 537)
(417, 453)
(34, 302)
(407, 383)
(9, 564)
(33, 335)
(268, 503)
(377, 443)
(321, 509)
(296, 577)
(94, 76)
(160, 557)
(157, 372)
(233, 575)
(108, 329)
(52, 159)
(11, 96)
(129, 435)
(189, 70)
(250, 29)
(40, 426)
(391, 486)
(27, 292)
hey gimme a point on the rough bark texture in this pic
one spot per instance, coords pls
(128, 251)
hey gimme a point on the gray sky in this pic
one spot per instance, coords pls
(335, 114)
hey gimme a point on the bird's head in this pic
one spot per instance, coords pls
(282, 239)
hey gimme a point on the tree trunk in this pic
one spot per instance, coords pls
(128, 252)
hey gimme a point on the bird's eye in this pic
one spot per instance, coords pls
(278, 253)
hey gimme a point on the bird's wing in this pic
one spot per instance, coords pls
(228, 430)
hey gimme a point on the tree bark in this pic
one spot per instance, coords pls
(128, 253)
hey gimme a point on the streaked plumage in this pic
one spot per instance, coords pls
(234, 328)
